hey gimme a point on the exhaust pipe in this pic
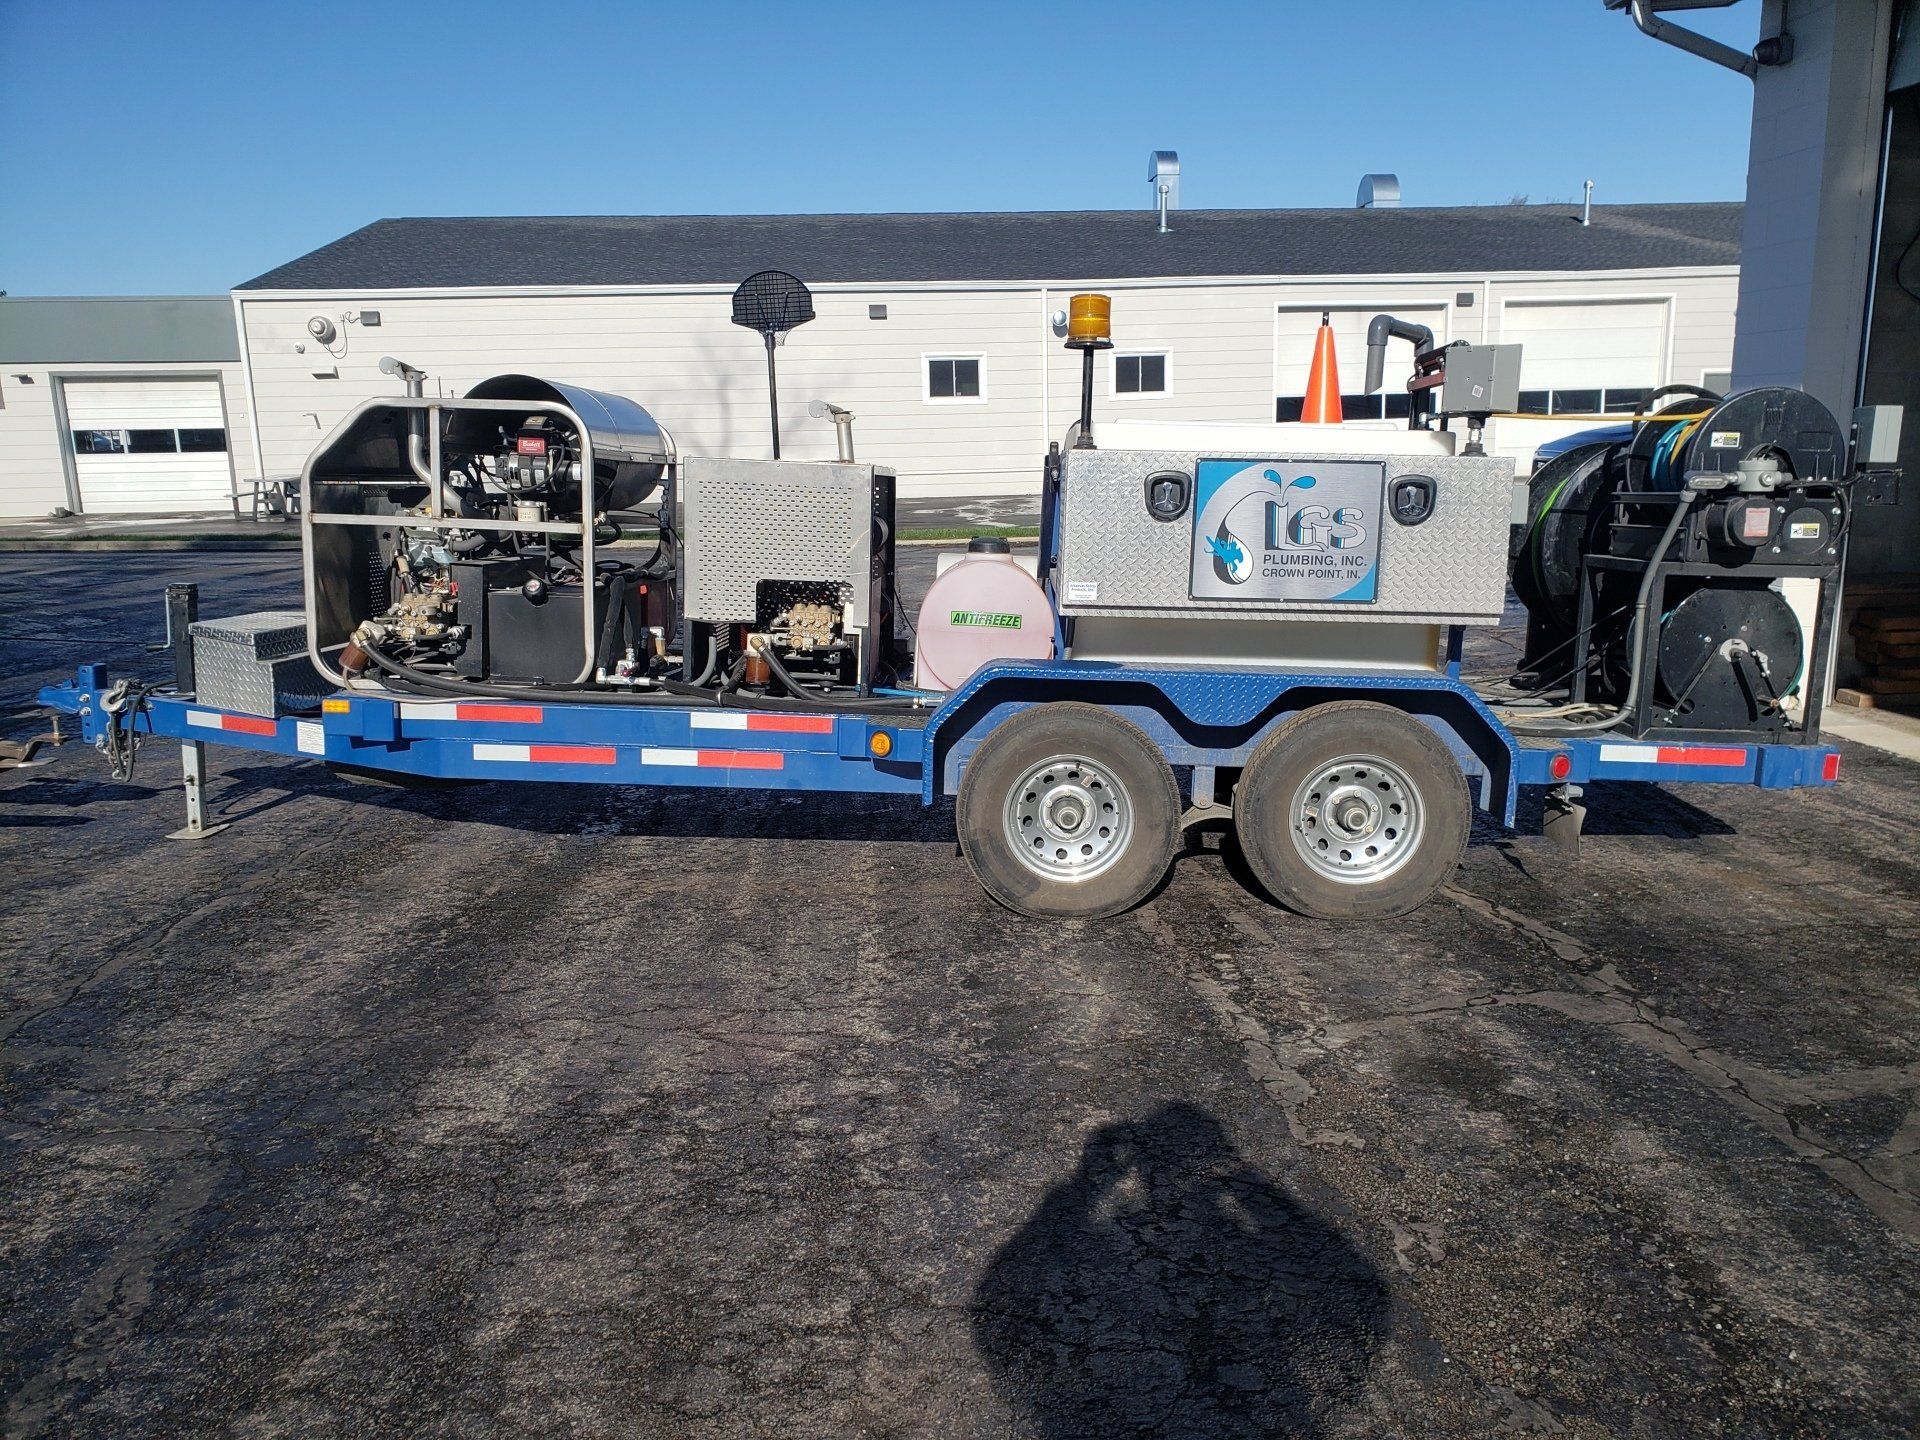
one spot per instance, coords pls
(1383, 328)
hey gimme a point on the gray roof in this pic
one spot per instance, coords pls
(137, 329)
(1048, 245)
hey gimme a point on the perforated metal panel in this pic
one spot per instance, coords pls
(1117, 560)
(743, 521)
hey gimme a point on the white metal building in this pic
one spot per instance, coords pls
(939, 333)
(121, 406)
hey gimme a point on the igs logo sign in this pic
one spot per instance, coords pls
(1287, 530)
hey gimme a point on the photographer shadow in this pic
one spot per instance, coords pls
(1170, 1288)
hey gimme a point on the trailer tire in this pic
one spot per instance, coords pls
(1067, 811)
(1352, 811)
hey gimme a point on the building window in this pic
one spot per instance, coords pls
(149, 442)
(954, 377)
(1614, 400)
(1139, 374)
(1385, 405)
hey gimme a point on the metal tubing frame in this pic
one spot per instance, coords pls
(1818, 661)
(435, 519)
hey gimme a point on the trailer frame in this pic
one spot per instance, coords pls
(1203, 719)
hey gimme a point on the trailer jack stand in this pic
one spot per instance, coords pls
(1564, 817)
(193, 764)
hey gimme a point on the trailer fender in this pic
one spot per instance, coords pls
(1214, 717)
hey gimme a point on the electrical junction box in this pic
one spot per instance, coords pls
(1481, 380)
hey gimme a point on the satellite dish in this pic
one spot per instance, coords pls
(772, 302)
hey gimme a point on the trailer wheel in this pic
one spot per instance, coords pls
(1352, 811)
(1068, 811)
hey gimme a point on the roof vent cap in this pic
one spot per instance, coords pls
(1378, 192)
(1163, 168)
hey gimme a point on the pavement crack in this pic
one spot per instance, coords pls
(1761, 1096)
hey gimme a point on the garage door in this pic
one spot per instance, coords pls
(1585, 356)
(1293, 358)
(149, 445)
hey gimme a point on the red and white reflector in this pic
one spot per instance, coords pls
(547, 754)
(713, 759)
(465, 710)
(1674, 754)
(763, 723)
(233, 724)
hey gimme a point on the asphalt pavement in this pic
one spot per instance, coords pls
(511, 1110)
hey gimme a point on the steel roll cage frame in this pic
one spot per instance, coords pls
(436, 519)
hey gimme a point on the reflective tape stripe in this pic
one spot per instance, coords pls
(1674, 754)
(713, 759)
(657, 755)
(239, 724)
(792, 724)
(547, 754)
(505, 714)
(1703, 755)
(744, 759)
(468, 710)
(778, 724)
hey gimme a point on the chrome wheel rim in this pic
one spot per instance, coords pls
(1068, 819)
(1357, 819)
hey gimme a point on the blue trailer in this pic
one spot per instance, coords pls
(1209, 723)
(1256, 625)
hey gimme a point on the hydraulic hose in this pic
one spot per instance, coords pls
(665, 691)
(713, 659)
(799, 692)
(1636, 629)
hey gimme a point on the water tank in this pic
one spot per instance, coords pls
(985, 607)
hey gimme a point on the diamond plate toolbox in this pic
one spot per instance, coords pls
(1449, 568)
(256, 664)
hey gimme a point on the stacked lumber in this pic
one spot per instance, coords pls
(1886, 642)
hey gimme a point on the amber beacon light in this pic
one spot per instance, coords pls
(1089, 328)
(1090, 321)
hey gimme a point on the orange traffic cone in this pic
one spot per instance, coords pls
(1322, 405)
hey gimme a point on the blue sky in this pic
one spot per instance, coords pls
(156, 148)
